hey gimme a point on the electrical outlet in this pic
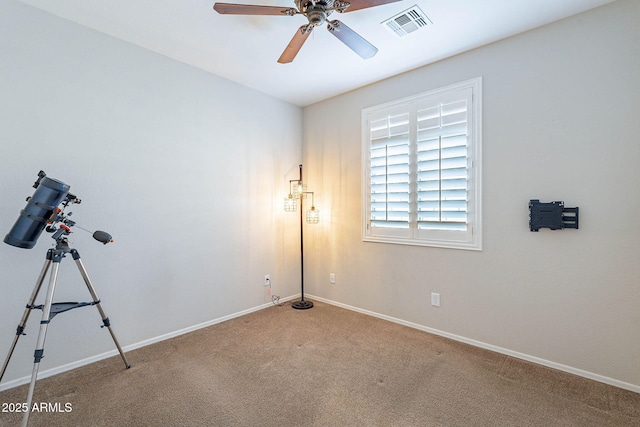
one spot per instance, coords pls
(435, 299)
(267, 280)
(332, 277)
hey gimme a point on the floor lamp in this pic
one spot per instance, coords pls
(298, 192)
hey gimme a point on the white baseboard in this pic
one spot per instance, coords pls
(569, 369)
(114, 352)
(529, 358)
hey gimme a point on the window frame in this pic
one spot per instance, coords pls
(471, 239)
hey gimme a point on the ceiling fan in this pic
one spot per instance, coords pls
(316, 12)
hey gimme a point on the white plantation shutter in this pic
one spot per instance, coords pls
(442, 174)
(390, 171)
(421, 169)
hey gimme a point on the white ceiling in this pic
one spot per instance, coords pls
(245, 48)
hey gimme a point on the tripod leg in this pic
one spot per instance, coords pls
(44, 323)
(25, 316)
(96, 301)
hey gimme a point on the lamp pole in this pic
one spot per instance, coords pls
(302, 304)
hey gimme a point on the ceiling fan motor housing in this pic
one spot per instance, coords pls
(315, 11)
(316, 15)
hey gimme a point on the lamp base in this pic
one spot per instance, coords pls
(302, 305)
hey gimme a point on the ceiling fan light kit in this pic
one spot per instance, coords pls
(316, 13)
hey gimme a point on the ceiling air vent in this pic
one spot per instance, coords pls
(408, 21)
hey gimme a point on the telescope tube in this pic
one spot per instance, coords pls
(34, 217)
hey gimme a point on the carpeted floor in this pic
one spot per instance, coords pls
(321, 367)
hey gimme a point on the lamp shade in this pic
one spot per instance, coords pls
(290, 204)
(298, 189)
(313, 215)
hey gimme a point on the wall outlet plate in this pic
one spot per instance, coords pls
(332, 277)
(435, 299)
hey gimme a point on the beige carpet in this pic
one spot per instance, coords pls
(321, 367)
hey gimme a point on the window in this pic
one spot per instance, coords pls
(421, 169)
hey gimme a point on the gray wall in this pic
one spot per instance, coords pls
(560, 122)
(185, 169)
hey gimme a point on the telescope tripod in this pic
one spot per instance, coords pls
(51, 309)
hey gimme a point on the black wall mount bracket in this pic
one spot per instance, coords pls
(553, 215)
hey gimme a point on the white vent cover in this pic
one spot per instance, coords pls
(407, 21)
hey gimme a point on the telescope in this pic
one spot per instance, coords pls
(43, 211)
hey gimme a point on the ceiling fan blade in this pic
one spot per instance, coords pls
(352, 39)
(295, 44)
(252, 9)
(363, 4)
